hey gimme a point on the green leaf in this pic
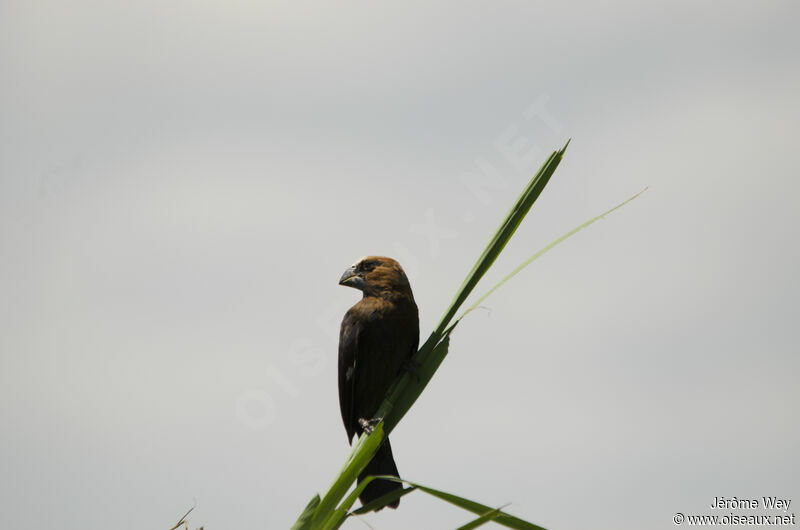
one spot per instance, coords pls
(502, 518)
(475, 507)
(340, 514)
(359, 458)
(502, 236)
(405, 400)
(380, 502)
(406, 390)
(540, 253)
(304, 521)
(482, 520)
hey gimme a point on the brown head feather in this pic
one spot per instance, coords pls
(378, 276)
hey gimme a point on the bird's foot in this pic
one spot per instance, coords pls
(411, 366)
(368, 426)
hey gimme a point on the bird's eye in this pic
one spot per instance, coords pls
(367, 266)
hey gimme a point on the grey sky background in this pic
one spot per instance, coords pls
(182, 183)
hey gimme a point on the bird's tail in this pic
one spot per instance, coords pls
(381, 464)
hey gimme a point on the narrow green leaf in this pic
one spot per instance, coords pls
(304, 521)
(540, 253)
(340, 513)
(502, 518)
(380, 502)
(471, 506)
(416, 384)
(359, 458)
(482, 520)
(502, 236)
(404, 393)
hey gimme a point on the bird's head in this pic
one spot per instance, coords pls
(377, 276)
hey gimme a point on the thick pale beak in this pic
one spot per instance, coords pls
(351, 278)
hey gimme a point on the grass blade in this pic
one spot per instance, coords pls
(482, 520)
(471, 506)
(304, 521)
(382, 501)
(502, 236)
(340, 514)
(415, 385)
(539, 254)
(406, 390)
(359, 458)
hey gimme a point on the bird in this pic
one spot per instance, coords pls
(377, 340)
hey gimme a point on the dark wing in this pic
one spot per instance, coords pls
(348, 357)
(375, 340)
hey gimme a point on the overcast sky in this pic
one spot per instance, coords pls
(182, 184)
